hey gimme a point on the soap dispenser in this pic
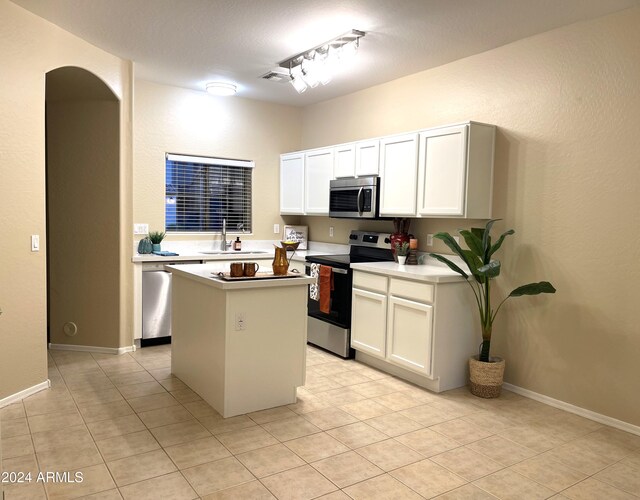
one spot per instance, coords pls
(237, 245)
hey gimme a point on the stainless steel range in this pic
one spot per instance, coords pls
(332, 330)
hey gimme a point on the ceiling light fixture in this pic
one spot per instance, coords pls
(318, 64)
(221, 88)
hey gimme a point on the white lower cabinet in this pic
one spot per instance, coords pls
(368, 324)
(422, 332)
(409, 334)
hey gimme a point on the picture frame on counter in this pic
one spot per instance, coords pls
(296, 233)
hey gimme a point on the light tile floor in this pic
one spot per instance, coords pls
(136, 432)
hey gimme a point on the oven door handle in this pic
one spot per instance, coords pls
(338, 270)
(360, 200)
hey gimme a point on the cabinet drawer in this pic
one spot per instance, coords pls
(421, 292)
(370, 281)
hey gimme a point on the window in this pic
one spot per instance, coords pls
(202, 191)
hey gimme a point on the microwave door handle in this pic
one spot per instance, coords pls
(339, 271)
(360, 199)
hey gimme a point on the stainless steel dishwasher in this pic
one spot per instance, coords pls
(156, 304)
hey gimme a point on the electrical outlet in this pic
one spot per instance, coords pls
(276, 229)
(429, 240)
(330, 231)
(240, 321)
(35, 243)
(141, 229)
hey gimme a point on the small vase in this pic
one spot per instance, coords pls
(156, 247)
(402, 259)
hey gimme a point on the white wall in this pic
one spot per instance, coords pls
(567, 173)
(176, 120)
(29, 48)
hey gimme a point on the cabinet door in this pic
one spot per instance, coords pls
(344, 161)
(292, 183)
(318, 166)
(442, 172)
(399, 176)
(409, 334)
(368, 322)
(368, 157)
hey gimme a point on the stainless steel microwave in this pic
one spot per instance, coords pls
(355, 197)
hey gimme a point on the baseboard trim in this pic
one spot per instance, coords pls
(89, 348)
(25, 393)
(591, 415)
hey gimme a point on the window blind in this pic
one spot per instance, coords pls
(202, 191)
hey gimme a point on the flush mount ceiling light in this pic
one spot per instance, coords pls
(317, 65)
(221, 88)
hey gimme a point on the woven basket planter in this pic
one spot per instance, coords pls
(485, 379)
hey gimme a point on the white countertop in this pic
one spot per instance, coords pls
(432, 273)
(252, 249)
(207, 274)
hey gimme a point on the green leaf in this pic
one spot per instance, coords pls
(495, 247)
(451, 265)
(474, 261)
(473, 242)
(478, 232)
(451, 243)
(486, 241)
(490, 270)
(533, 289)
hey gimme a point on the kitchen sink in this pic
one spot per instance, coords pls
(232, 252)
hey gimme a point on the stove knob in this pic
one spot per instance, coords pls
(353, 237)
(387, 240)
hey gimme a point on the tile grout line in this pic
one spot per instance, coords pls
(530, 418)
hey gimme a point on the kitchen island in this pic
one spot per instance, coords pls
(240, 345)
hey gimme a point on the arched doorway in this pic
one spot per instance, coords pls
(83, 216)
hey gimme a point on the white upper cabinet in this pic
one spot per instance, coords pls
(398, 172)
(368, 157)
(356, 159)
(292, 183)
(318, 165)
(455, 171)
(440, 172)
(344, 160)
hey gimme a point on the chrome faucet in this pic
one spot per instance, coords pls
(223, 243)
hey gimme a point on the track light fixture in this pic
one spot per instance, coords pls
(317, 65)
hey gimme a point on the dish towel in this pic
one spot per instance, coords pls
(164, 253)
(326, 286)
(313, 288)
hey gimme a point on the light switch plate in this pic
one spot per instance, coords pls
(276, 229)
(35, 243)
(429, 240)
(330, 231)
(141, 229)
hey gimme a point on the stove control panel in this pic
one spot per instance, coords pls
(369, 239)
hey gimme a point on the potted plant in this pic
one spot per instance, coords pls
(401, 251)
(156, 238)
(486, 373)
